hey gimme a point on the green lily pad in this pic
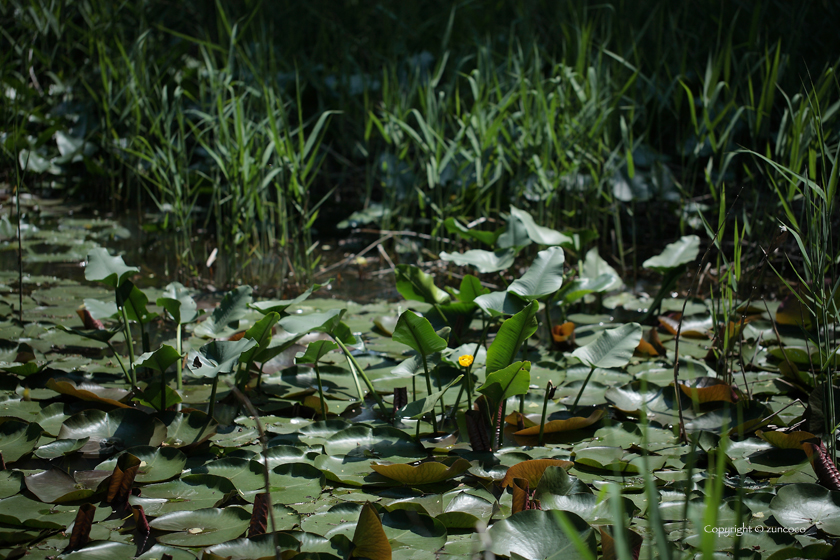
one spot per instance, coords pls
(59, 448)
(800, 506)
(18, 439)
(537, 534)
(203, 527)
(114, 431)
(373, 442)
(156, 464)
(190, 492)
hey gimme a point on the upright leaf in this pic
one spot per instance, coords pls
(111, 271)
(414, 284)
(543, 278)
(681, 252)
(511, 335)
(225, 317)
(326, 322)
(369, 539)
(485, 262)
(513, 380)
(418, 334)
(538, 234)
(178, 302)
(160, 359)
(612, 349)
(217, 357)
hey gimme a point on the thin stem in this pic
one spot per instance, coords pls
(320, 392)
(129, 344)
(356, 369)
(122, 366)
(583, 387)
(212, 408)
(429, 390)
(548, 392)
(179, 380)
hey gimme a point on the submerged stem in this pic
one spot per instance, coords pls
(583, 387)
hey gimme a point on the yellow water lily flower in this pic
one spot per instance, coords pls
(466, 360)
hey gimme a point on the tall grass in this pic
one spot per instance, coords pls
(608, 117)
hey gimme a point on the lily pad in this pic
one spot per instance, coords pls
(202, 527)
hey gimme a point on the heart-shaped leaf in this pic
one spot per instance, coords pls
(217, 357)
(485, 262)
(612, 349)
(543, 278)
(679, 253)
(111, 271)
(418, 334)
(179, 303)
(225, 318)
(538, 535)
(508, 382)
(414, 284)
(510, 337)
(160, 359)
(429, 472)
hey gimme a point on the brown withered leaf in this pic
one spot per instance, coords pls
(81, 527)
(691, 328)
(710, 389)
(89, 322)
(608, 544)
(141, 524)
(521, 495)
(563, 333)
(791, 440)
(119, 488)
(259, 516)
(477, 431)
(555, 426)
(532, 471)
(369, 539)
(824, 467)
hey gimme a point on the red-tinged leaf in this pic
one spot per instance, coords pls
(88, 320)
(792, 440)
(650, 345)
(400, 398)
(477, 431)
(532, 470)
(608, 544)
(81, 527)
(85, 392)
(429, 472)
(824, 467)
(140, 521)
(518, 419)
(563, 333)
(709, 389)
(691, 328)
(237, 336)
(119, 488)
(370, 540)
(521, 495)
(259, 516)
(556, 426)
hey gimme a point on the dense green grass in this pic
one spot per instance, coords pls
(261, 121)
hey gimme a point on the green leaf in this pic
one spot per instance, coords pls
(612, 349)
(581, 287)
(418, 334)
(676, 254)
(537, 535)
(156, 463)
(315, 351)
(111, 271)
(543, 278)
(178, 302)
(134, 301)
(113, 431)
(500, 303)
(280, 305)
(18, 439)
(325, 322)
(470, 289)
(487, 237)
(538, 234)
(594, 267)
(511, 335)
(414, 284)
(800, 506)
(217, 357)
(203, 527)
(513, 380)
(261, 333)
(417, 409)
(428, 472)
(484, 261)
(59, 448)
(160, 359)
(190, 492)
(225, 318)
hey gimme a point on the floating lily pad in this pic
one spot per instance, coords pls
(18, 439)
(114, 431)
(190, 492)
(156, 464)
(202, 527)
(536, 534)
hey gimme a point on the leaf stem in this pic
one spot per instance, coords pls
(583, 387)
(357, 370)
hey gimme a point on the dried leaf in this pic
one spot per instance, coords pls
(119, 488)
(824, 467)
(81, 527)
(477, 431)
(259, 516)
(532, 470)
